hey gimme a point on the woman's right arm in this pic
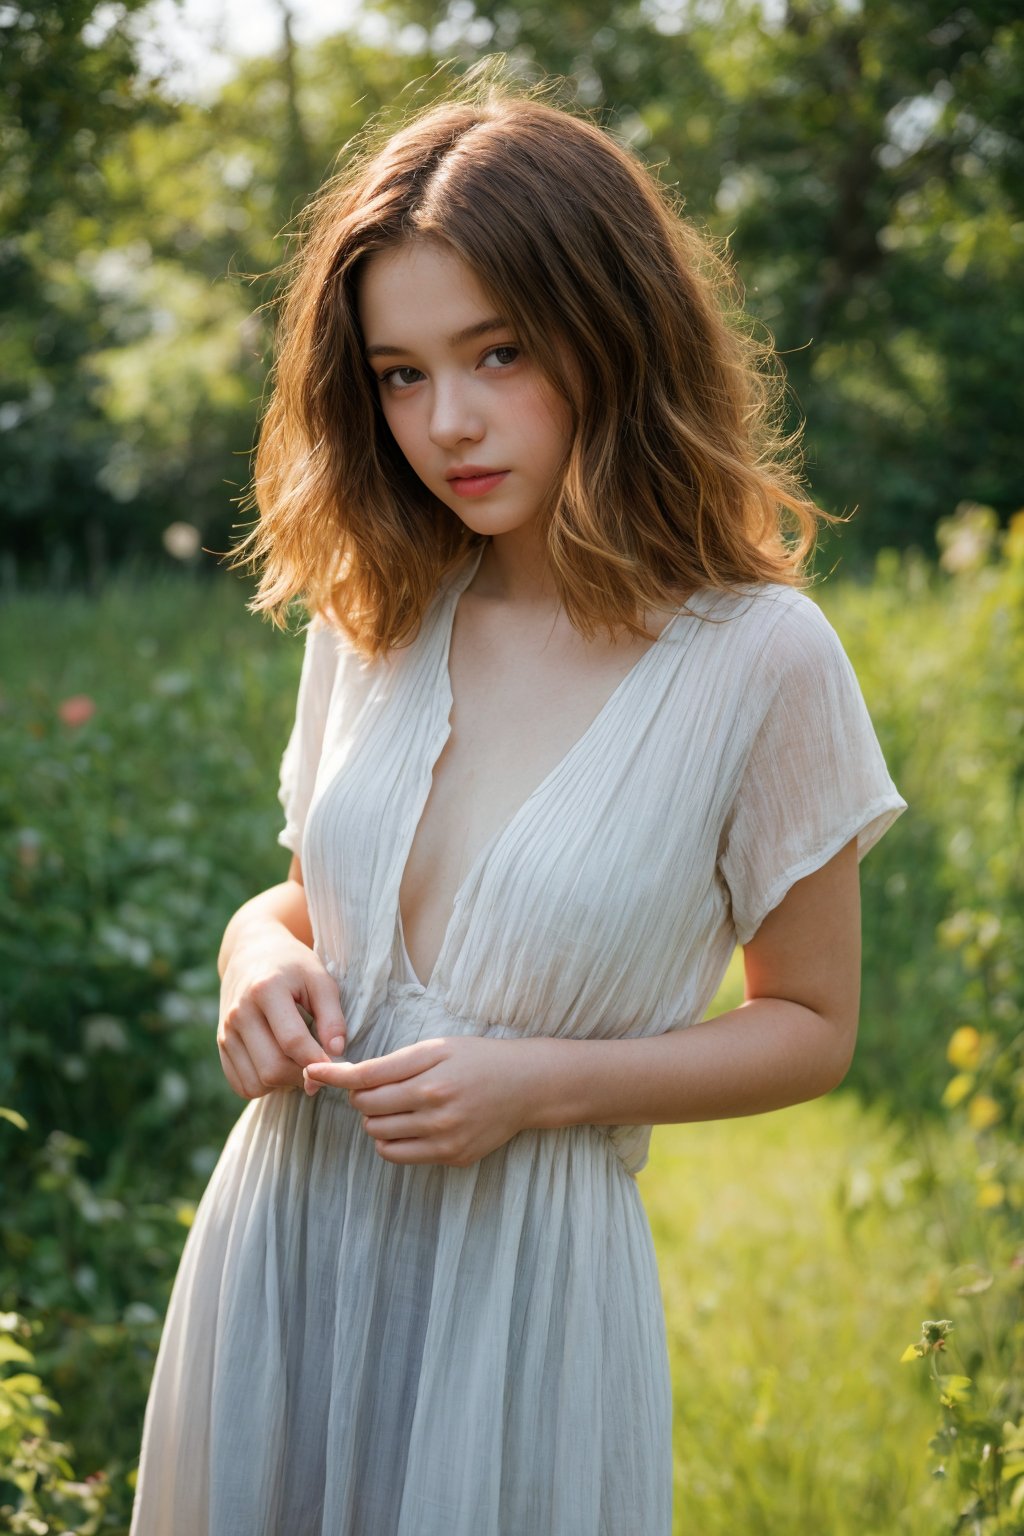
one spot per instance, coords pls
(268, 973)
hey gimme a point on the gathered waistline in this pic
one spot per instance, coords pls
(388, 1029)
(414, 992)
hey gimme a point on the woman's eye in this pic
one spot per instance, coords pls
(503, 356)
(399, 378)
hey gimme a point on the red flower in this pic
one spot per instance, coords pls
(77, 709)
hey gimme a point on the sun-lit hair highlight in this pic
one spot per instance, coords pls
(679, 475)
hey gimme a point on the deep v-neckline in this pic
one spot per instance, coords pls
(445, 708)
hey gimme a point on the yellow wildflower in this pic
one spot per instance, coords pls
(964, 1048)
(983, 1111)
(957, 1089)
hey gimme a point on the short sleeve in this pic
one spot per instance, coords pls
(301, 757)
(815, 776)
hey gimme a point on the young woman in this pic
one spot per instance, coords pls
(567, 732)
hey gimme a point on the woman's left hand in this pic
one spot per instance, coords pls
(449, 1100)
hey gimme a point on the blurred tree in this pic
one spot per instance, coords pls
(874, 184)
(864, 160)
(296, 175)
(68, 85)
(135, 354)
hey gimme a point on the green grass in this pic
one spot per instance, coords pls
(794, 1251)
(793, 1256)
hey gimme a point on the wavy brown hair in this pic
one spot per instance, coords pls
(679, 474)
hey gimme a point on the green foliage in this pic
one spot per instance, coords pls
(129, 302)
(979, 1444)
(865, 162)
(874, 189)
(38, 1490)
(64, 96)
(136, 813)
(787, 1247)
(976, 1441)
(940, 657)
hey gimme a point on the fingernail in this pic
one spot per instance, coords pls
(337, 1045)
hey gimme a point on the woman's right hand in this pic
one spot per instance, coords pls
(263, 1039)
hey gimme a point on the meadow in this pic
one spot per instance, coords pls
(842, 1280)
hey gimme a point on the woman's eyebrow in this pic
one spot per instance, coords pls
(471, 332)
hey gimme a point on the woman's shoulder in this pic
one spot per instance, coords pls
(330, 652)
(325, 638)
(764, 630)
(752, 606)
(793, 639)
(768, 603)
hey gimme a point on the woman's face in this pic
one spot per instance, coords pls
(476, 419)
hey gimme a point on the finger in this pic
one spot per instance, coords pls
(243, 1077)
(324, 1003)
(275, 1069)
(326, 1074)
(407, 1127)
(290, 1031)
(397, 1066)
(392, 1099)
(228, 1068)
(419, 1150)
(234, 1058)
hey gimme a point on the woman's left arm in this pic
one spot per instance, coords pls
(456, 1099)
(791, 1039)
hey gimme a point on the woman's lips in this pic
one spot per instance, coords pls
(477, 485)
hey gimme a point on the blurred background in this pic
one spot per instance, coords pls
(865, 161)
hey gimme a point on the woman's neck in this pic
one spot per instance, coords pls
(514, 569)
(514, 573)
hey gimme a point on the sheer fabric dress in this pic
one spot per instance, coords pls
(359, 1348)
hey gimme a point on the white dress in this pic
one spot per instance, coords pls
(360, 1348)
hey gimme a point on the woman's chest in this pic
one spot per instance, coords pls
(564, 842)
(520, 706)
(507, 816)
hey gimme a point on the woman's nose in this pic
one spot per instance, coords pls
(454, 417)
